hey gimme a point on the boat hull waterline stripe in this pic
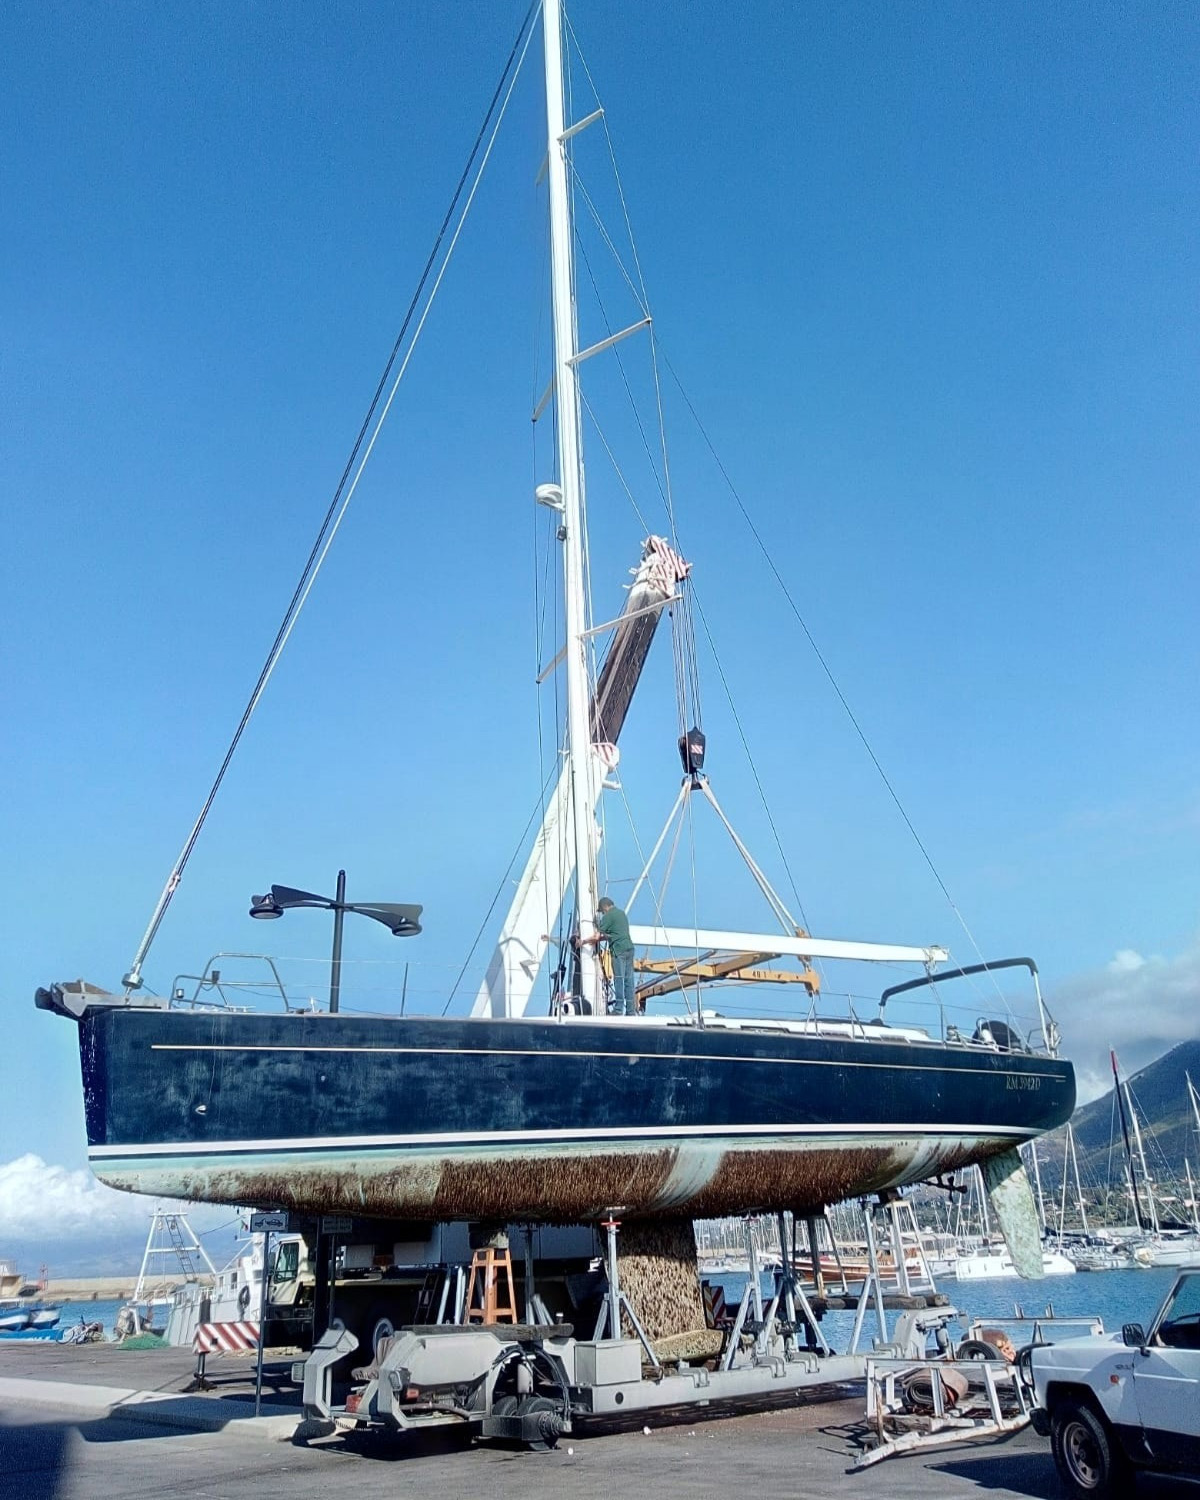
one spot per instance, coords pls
(855, 1134)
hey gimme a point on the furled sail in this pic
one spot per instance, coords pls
(550, 868)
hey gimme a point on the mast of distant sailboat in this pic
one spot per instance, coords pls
(1120, 1098)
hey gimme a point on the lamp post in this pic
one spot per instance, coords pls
(402, 921)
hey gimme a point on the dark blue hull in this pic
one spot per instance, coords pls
(539, 1120)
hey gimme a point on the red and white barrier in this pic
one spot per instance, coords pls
(225, 1338)
(716, 1315)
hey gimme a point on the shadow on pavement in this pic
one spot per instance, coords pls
(35, 1456)
(33, 1459)
(1034, 1474)
(1031, 1474)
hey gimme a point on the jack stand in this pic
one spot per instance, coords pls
(617, 1302)
(907, 1249)
(755, 1283)
(787, 1291)
(198, 1382)
(871, 1285)
(766, 1325)
(751, 1300)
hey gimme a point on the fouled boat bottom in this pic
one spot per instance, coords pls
(660, 1275)
(550, 1184)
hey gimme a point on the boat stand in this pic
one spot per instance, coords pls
(617, 1302)
(907, 1283)
(766, 1326)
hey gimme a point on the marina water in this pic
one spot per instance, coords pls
(1116, 1297)
(1125, 1296)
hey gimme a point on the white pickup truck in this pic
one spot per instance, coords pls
(1113, 1404)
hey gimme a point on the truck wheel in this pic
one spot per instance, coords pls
(379, 1325)
(1085, 1452)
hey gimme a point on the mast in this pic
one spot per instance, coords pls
(521, 947)
(1141, 1151)
(1137, 1202)
(580, 761)
(1037, 1177)
(1078, 1187)
(984, 1217)
(1195, 1098)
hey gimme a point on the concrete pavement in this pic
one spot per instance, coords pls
(100, 1450)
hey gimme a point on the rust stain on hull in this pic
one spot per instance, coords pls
(566, 1187)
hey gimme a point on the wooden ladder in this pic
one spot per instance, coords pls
(492, 1273)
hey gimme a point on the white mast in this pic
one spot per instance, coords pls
(1062, 1203)
(1141, 1151)
(581, 763)
(1195, 1098)
(1195, 1102)
(1078, 1186)
(1037, 1177)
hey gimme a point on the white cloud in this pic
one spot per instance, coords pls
(1126, 961)
(1141, 1007)
(37, 1199)
(76, 1224)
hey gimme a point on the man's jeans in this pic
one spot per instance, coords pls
(623, 1001)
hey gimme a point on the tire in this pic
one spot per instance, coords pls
(978, 1349)
(378, 1325)
(549, 1413)
(1086, 1455)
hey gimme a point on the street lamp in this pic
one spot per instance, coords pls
(402, 921)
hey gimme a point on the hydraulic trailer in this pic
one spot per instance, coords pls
(533, 1384)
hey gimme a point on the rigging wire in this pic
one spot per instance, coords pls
(685, 676)
(345, 487)
(712, 646)
(488, 914)
(825, 667)
(686, 621)
(641, 296)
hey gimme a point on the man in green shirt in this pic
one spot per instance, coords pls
(612, 927)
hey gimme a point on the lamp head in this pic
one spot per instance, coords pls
(265, 907)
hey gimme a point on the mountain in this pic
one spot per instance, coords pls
(1168, 1126)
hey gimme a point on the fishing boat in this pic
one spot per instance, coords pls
(44, 1315)
(11, 1282)
(540, 1106)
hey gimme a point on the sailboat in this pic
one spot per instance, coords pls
(560, 1112)
(1157, 1246)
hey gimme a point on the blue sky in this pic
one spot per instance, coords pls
(927, 273)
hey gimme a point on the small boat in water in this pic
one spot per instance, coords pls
(13, 1319)
(994, 1262)
(43, 1316)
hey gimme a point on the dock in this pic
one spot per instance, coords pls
(59, 1433)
